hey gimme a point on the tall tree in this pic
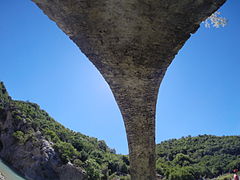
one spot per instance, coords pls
(132, 43)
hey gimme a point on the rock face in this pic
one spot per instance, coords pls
(132, 43)
(2, 177)
(35, 159)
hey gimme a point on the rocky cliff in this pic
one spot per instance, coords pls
(2, 177)
(26, 149)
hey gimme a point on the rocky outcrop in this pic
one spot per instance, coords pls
(132, 42)
(31, 155)
(2, 177)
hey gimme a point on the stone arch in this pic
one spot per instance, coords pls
(132, 43)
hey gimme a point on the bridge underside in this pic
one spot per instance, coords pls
(132, 42)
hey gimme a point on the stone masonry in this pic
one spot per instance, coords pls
(132, 42)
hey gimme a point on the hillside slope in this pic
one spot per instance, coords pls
(40, 148)
(191, 158)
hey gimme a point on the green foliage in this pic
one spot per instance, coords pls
(51, 135)
(66, 150)
(93, 169)
(20, 136)
(125, 160)
(4, 97)
(203, 156)
(102, 145)
(182, 173)
(234, 164)
(78, 163)
(225, 177)
(182, 160)
(83, 156)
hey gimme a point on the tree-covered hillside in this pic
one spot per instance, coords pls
(88, 153)
(191, 158)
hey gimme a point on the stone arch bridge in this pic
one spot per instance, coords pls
(132, 43)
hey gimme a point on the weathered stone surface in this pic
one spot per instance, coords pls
(2, 177)
(132, 42)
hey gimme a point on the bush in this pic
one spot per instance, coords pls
(181, 174)
(83, 156)
(182, 160)
(78, 162)
(225, 177)
(93, 169)
(66, 150)
(233, 165)
(20, 136)
(102, 145)
(124, 168)
(125, 159)
(51, 135)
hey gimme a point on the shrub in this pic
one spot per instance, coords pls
(51, 135)
(93, 169)
(78, 162)
(66, 151)
(20, 136)
(182, 160)
(225, 177)
(181, 174)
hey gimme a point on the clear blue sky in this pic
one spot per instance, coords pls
(200, 93)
